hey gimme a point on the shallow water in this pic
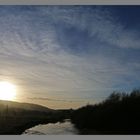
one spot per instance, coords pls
(64, 128)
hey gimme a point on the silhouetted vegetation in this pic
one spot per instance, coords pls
(118, 114)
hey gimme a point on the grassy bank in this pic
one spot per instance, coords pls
(118, 114)
(15, 117)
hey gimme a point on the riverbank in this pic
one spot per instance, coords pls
(117, 115)
(12, 126)
(31, 124)
(16, 117)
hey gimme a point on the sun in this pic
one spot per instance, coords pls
(7, 90)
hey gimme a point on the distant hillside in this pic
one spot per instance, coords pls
(16, 117)
(26, 106)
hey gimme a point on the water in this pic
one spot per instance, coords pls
(65, 128)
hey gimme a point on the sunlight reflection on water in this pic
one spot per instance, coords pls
(65, 128)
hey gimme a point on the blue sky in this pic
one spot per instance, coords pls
(68, 56)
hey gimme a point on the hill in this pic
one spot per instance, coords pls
(26, 106)
(16, 117)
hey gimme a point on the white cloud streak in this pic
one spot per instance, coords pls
(31, 54)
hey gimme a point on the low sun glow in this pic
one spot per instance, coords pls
(7, 90)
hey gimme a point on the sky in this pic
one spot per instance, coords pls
(69, 56)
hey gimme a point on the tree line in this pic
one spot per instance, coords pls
(118, 114)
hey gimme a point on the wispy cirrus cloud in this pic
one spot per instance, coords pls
(65, 52)
(58, 100)
(96, 22)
